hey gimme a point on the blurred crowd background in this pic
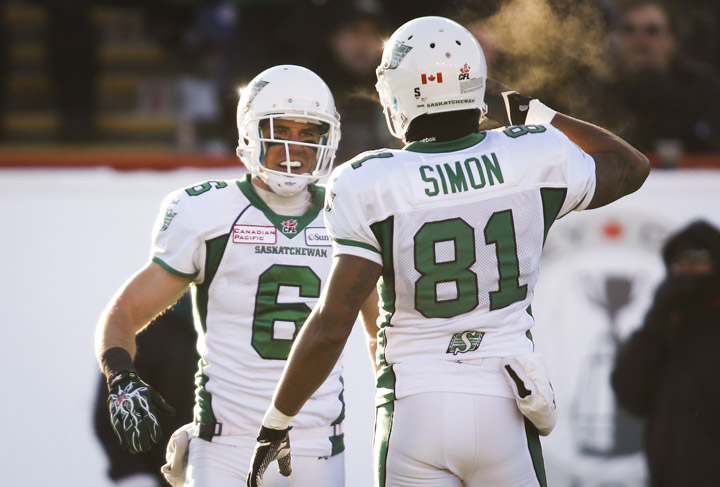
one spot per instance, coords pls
(162, 75)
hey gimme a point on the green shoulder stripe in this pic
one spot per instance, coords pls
(165, 266)
(381, 155)
(353, 243)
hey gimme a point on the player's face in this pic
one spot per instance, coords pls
(301, 158)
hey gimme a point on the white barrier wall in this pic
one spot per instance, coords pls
(70, 238)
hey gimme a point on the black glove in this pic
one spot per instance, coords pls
(132, 402)
(132, 406)
(505, 106)
(271, 445)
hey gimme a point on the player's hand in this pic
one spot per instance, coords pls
(271, 445)
(505, 105)
(132, 406)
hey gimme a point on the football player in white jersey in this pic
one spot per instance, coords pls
(255, 253)
(450, 229)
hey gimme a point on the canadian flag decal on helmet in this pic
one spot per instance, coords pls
(431, 78)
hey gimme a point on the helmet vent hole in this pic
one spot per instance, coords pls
(410, 37)
(448, 55)
(458, 43)
(432, 45)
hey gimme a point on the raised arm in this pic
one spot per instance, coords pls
(620, 169)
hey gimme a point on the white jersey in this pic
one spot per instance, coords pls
(256, 276)
(459, 228)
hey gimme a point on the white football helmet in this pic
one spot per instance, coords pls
(294, 93)
(430, 65)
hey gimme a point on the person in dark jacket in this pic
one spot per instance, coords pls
(668, 372)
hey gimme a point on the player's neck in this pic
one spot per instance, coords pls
(294, 205)
(443, 127)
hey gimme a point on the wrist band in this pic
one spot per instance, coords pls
(116, 360)
(539, 113)
(274, 419)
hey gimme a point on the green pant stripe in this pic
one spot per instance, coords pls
(535, 448)
(383, 428)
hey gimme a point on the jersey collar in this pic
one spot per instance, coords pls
(449, 146)
(281, 221)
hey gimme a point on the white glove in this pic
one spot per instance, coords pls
(176, 455)
(529, 380)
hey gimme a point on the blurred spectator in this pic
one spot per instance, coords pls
(72, 66)
(697, 26)
(264, 34)
(657, 97)
(699, 30)
(347, 62)
(668, 372)
(167, 358)
(205, 42)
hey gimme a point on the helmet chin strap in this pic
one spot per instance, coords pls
(284, 185)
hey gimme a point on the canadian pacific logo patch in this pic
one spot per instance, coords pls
(254, 234)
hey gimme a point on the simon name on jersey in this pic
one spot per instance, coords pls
(461, 176)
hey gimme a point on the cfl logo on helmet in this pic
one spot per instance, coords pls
(464, 73)
(464, 342)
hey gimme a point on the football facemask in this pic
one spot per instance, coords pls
(298, 95)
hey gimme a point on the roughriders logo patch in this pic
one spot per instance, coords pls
(289, 226)
(399, 51)
(255, 89)
(464, 342)
(329, 202)
(169, 215)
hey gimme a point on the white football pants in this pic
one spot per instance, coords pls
(452, 440)
(222, 465)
